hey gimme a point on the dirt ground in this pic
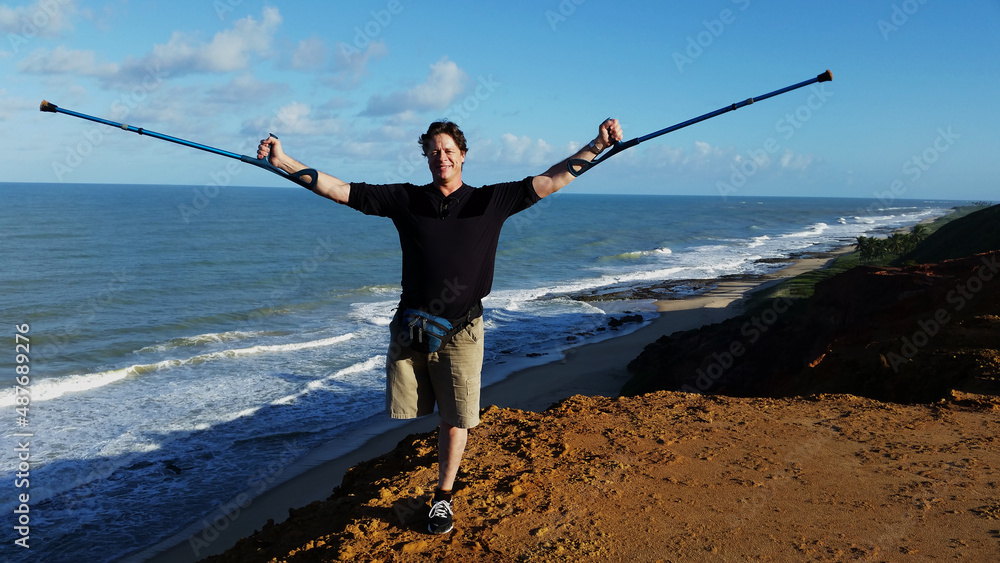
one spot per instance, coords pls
(672, 476)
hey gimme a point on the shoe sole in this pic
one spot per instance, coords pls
(431, 530)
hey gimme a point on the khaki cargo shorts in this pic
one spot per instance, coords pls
(451, 377)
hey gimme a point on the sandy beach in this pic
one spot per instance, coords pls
(595, 369)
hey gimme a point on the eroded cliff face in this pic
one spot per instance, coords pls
(909, 334)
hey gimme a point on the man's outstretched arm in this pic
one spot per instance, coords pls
(558, 176)
(326, 185)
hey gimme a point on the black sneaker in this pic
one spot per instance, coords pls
(440, 518)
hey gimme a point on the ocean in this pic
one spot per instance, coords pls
(181, 346)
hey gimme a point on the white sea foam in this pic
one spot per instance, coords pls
(49, 389)
(210, 338)
(370, 364)
(656, 252)
(377, 313)
(814, 231)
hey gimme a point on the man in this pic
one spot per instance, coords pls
(448, 233)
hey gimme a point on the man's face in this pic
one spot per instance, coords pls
(444, 159)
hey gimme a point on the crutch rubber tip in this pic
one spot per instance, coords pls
(46, 106)
(825, 77)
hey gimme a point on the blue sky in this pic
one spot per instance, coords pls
(348, 87)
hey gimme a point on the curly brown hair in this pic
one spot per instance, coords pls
(446, 127)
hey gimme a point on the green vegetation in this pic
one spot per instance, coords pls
(903, 247)
(802, 285)
(879, 250)
(898, 248)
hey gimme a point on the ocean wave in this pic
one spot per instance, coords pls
(639, 254)
(814, 230)
(210, 338)
(714, 266)
(377, 313)
(874, 219)
(49, 389)
(364, 366)
(370, 290)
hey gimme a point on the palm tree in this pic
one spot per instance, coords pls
(897, 243)
(867, 248)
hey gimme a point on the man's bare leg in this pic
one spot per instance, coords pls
(451, 448)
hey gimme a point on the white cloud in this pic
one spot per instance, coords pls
(175, 107)
(666, 155)
(42, 18)
(350, 64)
(524, 150)
(310, 54)
(367, 150)
(701, 156)
(444, 83)
(66, 61)
(230, 50)
(792, 161)
(245, 88)
(11, 107)
(295, 118)
(761, 161)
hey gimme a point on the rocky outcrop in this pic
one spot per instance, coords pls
(909, 334)
(975, 233)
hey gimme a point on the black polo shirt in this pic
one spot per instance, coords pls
(449, 243)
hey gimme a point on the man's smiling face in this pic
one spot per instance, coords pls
(445, 161)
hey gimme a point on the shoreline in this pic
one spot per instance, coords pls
(591, 368)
